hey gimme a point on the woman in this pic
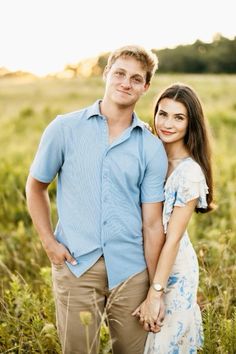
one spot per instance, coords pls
(180, 124)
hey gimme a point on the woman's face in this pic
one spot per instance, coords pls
(171, 120)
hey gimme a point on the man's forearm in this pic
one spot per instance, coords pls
(39, 208)
(38, 204)
(154, 240)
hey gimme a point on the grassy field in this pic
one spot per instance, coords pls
(27, 323)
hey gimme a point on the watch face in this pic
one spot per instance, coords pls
(157, 287)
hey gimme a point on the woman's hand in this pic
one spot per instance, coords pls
(147, 125)
(151, 312)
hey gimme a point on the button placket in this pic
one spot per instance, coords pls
(104, 197)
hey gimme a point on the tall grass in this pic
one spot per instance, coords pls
(27, 322)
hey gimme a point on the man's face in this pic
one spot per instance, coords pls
(125, 81)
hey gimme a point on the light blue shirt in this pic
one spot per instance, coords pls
(100, 188)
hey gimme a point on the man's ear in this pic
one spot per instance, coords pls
(146, 87)
(105, 72)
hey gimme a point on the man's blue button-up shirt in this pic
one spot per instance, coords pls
(101, 188)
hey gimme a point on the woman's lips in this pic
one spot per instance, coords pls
(166, 132)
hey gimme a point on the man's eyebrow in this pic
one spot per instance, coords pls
(132, 75)
(138, 75)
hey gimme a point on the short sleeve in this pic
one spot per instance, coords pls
(191, 185)
(49, 156)
(152, 187)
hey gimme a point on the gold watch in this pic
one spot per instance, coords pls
(158, 287)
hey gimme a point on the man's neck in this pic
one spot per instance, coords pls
(116, 115)
(118, 118)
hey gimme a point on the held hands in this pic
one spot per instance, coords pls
(58, 253)
(151, 312)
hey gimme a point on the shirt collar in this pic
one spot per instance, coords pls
(94, 111)
(137, 122)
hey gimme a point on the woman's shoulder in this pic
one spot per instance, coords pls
(191, 170)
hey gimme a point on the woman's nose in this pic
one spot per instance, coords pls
(168, 122)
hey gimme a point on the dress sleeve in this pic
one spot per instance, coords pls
(192, 185)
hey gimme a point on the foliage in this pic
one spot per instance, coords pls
(27, 323)
(27, 319)
(199, 57)
(216, 57)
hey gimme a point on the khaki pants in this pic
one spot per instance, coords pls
(75, 297)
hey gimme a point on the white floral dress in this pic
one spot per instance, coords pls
(182, 327)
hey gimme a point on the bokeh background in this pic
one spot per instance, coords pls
(52, 54)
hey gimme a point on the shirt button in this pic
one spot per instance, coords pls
(104, 222)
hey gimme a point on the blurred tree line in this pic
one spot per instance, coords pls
(219, 56)
(216, 57)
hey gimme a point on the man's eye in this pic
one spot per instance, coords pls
(119, 73)
(138, 80)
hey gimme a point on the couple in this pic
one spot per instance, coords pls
(116, 249)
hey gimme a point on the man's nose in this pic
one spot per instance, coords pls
(126, 82)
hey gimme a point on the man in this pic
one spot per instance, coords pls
(111, 172)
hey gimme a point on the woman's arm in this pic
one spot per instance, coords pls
(151, 311)
(177, 225)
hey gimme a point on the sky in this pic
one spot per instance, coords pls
(43, 36)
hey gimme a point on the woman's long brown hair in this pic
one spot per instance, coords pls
(197, 136)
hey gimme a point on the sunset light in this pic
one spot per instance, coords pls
(44, 36)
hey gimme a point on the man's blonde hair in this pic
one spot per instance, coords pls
(147, 58)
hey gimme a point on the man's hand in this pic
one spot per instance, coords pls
(58, 253)
(151, 312)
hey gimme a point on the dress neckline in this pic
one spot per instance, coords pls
(180, 163)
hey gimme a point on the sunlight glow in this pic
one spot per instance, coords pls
(44, 36)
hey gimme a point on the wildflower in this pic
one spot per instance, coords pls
(85, 317)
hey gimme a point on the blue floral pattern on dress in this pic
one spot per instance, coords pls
(182, 327)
